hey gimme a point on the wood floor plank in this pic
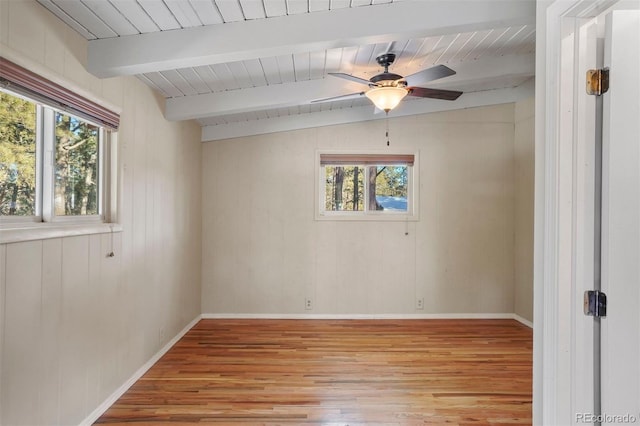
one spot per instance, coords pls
(338, 372)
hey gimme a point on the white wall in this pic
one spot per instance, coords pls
(263, 252)
(75, 324)
(524, 180)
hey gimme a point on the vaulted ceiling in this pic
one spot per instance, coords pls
(245, 67)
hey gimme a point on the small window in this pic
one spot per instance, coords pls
(366, 185)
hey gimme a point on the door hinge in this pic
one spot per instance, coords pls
(597, 81)
(595, 303)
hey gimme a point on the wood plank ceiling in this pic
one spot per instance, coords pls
(243, 67)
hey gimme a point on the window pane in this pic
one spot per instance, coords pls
(17, 156)
(344, 188)
(388, 188)
(76, 180)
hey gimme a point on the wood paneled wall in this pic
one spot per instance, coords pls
(263, 251)
(75, 324)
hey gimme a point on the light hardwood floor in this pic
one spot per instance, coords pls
(338, 372)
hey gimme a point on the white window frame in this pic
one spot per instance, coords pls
(413, 191)
(48, 149)
(45, 223)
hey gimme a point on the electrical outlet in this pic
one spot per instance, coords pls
(161, 335)
(420, 303)
(307, 304)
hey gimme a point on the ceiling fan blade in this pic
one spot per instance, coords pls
(339, 98)
(430, 74)
(423, 92)
(350, 77)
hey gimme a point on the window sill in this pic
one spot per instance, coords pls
(371, 217)
(43, 231)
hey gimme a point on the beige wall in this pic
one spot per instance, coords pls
(263, 252)
(524, 181)
(75, 324)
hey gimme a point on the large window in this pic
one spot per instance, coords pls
(366, 185)
(51, 163)
(55, 151)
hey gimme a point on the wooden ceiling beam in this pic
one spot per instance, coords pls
(284, 35)
(289, 94)
(360, 114)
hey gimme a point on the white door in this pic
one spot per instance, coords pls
(620, 390)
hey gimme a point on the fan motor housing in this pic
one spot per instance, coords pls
(391, 78)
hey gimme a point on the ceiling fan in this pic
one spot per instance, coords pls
(388, 89)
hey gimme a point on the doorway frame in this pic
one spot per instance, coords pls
(563, 257)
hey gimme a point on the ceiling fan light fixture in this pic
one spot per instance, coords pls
(386, 98)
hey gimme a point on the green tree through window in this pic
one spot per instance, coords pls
(344, 190)
(17, 156)
(76, 181)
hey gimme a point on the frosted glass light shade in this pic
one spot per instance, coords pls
(386, 98)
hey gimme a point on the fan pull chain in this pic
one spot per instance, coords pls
(387, 134)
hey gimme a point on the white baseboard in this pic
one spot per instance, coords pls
(523, 320)
(369, 316)
(89, 420)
